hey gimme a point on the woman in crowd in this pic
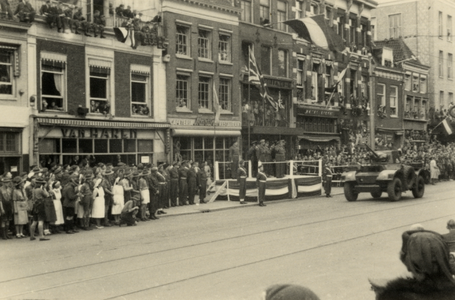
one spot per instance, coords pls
(98, 204)
(20, 206)
(57, 199)
(119, 200)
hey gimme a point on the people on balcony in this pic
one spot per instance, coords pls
(80, 23)
(6, 8)
(120, 10)
(25, 12)
(99, 22)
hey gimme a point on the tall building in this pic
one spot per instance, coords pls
(426, 27)
(16, 54)
(301, 73)
(90, 95)
(202, 78)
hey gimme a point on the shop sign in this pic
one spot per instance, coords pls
(317, 112)
(203, 122)
(99, 133)
(280, 84)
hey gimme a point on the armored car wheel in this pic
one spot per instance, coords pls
(376, 195)
(349, 192)
(394, 189)
(419, 188)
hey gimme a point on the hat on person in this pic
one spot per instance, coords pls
(36, 169)
(451, 224)
(40, 180)
(425, 253)
(135, 174)
(144, 172)
(74, 178)
(23, 174)
(58, 171)
(154, 169)
(17, 180)
(121, 164)
(289, 292)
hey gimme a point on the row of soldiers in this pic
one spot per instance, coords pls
(266, 153)
(72, 19)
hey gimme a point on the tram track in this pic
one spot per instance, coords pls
(403, 205)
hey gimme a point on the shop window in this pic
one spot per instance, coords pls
(225, 94)
(115, 146)
(101, 146)
(9, 142)
(208, 143)
(85, 146)
(140, 91)
(246, 14)
(224, 48)
(99, 89)
(204, 93)
(69, 145)
(282, 63)
(198, 143)
(266, 60)
(204, 44)
(130, 145)
(182, 46)
(145, 146)
(182, 92)
(6, 72)
(281, 15)
(393, 99)
(49, 146)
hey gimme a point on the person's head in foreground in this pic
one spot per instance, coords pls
(289, 292)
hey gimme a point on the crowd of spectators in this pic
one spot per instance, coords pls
(88, 195)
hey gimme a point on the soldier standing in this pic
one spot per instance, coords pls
(154, 192)
(192, 183)
(161, 190)
(234, 157)
(328, 180)
(280, 153)
(183, 187)
(251, 155)
(174, 183)
(261, 180)
(241, 180)
(202, 184)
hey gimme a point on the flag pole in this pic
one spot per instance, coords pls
(249, 102)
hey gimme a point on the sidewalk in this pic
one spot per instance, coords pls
(224, 204)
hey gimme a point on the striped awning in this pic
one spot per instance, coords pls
(99, 124)
(140, 69)
(57, 57)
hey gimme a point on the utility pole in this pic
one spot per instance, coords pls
(371, 76)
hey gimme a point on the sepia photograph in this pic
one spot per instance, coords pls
(227, 149)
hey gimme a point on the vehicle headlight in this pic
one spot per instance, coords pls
(390, 176)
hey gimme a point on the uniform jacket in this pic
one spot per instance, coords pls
(69, 195)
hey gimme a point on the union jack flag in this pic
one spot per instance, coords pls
(255, 77)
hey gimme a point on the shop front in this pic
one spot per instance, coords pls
(68, 141)
(319, 127)
(388, 138)
(199, 139)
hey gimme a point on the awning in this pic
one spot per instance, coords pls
(324, 139)
(99, 124)
(205, 132)
(316, 30)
